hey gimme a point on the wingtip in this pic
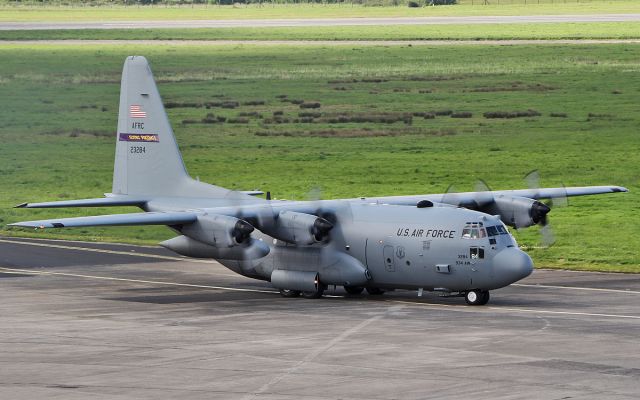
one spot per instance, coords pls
(32, 225)
(22, 205)
(618, 189)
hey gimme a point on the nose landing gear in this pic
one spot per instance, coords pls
(477, 297)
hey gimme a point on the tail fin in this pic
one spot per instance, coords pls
(148, 161)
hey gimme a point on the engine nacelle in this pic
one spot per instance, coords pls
(219, 231)
(518, 212)
(192, 248)
(300, 228)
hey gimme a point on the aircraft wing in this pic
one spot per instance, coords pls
(100, 202)
(550, 193)
(473, 199)
(149, 218)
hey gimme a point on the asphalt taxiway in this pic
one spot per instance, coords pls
(103, 321)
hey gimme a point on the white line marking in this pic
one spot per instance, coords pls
(317, 352)
(431, 305)
(126, 253)
(566, 313)
(21, 271)
(108, 278)
(522, 310)
(576, 288)
(28, 239)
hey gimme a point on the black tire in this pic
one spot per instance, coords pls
(476, 297)
(316, 294)
(355, 290)
(289, 293)
(375, 291)
(485, 298)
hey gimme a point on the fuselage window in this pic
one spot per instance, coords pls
(476, 253)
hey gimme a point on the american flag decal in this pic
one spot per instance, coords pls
(135, 111)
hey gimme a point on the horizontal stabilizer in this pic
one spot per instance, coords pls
(152, 218)
(101, 202)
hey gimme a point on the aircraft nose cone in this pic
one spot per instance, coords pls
(510, 265)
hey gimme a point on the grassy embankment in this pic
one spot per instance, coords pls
(120, 13)
(60, 103)
(593, 30)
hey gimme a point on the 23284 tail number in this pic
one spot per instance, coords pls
(137, 149)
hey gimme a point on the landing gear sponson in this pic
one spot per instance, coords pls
(472, 297)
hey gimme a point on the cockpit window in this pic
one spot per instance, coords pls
(473, 230)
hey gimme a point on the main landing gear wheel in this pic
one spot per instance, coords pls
(476, 297)
(289, 293)
(316, 294)
(375, 291)
(354, 289)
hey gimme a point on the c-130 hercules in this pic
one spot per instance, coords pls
(456, 244)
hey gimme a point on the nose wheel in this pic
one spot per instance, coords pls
(477, 297)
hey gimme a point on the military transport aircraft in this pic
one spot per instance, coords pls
(456, 244)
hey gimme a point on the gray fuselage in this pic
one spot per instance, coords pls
(437, 248)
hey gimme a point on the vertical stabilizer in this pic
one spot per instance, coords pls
(148, 161)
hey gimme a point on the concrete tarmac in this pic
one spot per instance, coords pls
(103, 321)
(309, 22)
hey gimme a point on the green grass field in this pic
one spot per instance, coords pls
(117, 13)
(595, 30)
(59, 109)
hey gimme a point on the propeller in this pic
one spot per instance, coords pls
(246, 223)
(450, 196)
(485, 197)
(242, 231)
(326, 219)
(540, 210)
(321, 229)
